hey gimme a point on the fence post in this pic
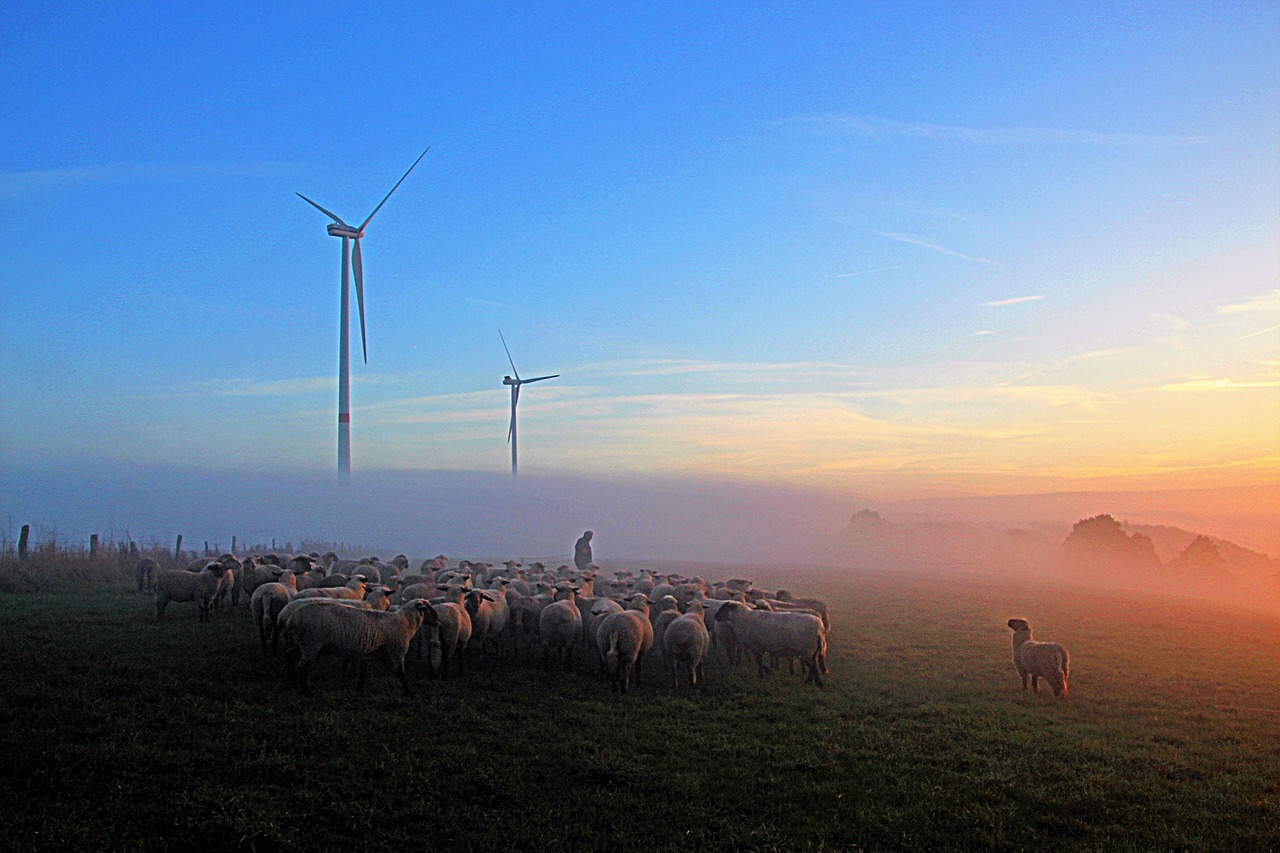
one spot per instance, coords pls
(93, 545)
(177, 549)
(22, 542)
(233, 545)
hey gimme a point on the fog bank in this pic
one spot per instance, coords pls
(423, 513)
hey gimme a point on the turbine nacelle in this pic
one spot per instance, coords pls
(336, 230)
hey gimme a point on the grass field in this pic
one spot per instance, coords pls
(123, 733)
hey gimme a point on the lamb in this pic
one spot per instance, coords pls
(145, 574)
(1049, 661)
(685, 642)
(758, 632)
(560, 626)
(355, 633)
(181, 585)
(625, 637)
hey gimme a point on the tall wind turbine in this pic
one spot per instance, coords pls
(515, 397)
(351, 261)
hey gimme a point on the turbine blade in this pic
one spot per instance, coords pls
(332, 216)
(393, 189)
(357, 266)
(515, 372)
(540, 378)
(512, 428)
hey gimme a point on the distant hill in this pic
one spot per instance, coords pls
(1171, 542)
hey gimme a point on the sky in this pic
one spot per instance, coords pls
(895, 250)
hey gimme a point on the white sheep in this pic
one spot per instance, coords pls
(817, 605)
(685, 644)
(760, 632)
(181, 585)
(1049, 661)
(560, 626)
(448, 641)
(625, 637)
(355, 633)
(266, 603)
(352, 589)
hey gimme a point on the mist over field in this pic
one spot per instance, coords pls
(480, 515)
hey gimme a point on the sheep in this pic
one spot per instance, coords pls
(685, 642)
(356, 633)
(489, 617)
(525, 612)
(450, 639)
(181, 585)
(817, 605)
(1049, 661)
(354, 588)
(758, 632)
(266, 603)
(145, 574)
(625, 637)
(255, 575)
(560, 626)
(593, 610)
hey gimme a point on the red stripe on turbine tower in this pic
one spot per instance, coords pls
(344, 418)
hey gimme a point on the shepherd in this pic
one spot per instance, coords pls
(582, 551)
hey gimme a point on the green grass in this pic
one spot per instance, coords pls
(127, 734)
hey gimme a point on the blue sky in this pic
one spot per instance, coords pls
(900, 248)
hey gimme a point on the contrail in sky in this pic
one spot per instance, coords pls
(916, 241)
(1017, 300)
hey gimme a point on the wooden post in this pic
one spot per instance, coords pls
(177, 549)
(22, 542)
(93, 545)
(233, 545)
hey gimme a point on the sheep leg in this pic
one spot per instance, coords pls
(364, 675)
(701, 677)
(639, 658)
(815, 674)
(675, 678)
(760, 670)
(1024, 680)
(404, 679)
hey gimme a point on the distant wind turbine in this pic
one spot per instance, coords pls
(351, 260)
(515, 397)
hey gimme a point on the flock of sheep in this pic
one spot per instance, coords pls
(361, 610)
(309, 604)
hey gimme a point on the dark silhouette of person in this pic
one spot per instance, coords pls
(582, 551)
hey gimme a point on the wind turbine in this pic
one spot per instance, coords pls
(515, 397)
(351, 261)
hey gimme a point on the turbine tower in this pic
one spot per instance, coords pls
(351, 262)
(515, 397)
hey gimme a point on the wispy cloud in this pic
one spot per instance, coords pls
(1267, 302)
(1017, 300)
(1216, 385)
(875, 127)
(1270, 330)
(913, 240)
(982, 332)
